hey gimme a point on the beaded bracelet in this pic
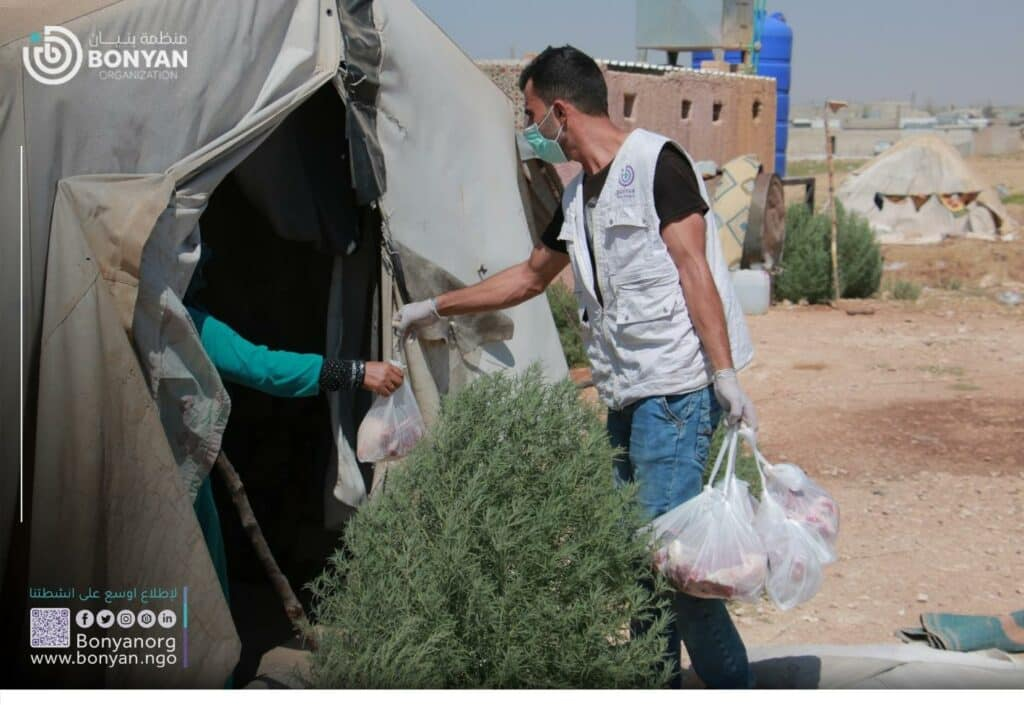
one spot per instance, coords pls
(342, 374)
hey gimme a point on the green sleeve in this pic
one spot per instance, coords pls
(275, 372)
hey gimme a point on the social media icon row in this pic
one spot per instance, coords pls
(126, 619)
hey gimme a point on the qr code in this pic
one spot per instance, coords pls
(50, 628)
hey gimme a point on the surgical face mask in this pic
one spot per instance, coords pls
(542, 147)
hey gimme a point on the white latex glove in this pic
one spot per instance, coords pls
(733, 400)
(415, 316)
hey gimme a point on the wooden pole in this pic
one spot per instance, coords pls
(292, 606)
(832, 207)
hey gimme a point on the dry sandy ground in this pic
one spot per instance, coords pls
(1005, 169)
(911, 417)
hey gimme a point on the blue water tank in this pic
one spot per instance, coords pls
(774, 60)
(781, 130)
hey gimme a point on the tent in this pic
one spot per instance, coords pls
(920, 191)
(353, 132)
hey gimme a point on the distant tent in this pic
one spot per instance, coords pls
(921, 191)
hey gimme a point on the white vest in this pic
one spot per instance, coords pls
(641, 343)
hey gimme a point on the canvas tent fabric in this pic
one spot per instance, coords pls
(124, 408)
(455, 198)
(797, 667)
(901, 193)
(881, 666)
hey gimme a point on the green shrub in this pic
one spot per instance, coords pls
(500, 556)
(806, 266)
(860, 257)
(564, 309)
(805, 269)
(905, 290)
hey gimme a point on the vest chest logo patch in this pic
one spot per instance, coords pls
(626, 176)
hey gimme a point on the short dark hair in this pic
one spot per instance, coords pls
(569, 74)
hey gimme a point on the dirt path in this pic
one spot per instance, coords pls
(911, 417)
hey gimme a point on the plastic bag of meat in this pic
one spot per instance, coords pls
(796, 553)
(707, 546)
(796, 559)
(805, 501)
(391, 428)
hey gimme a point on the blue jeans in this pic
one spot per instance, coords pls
(666, 442)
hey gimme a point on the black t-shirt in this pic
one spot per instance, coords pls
(676, 195)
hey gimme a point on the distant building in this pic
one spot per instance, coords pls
(918, 123)
(862, 130)
(963, 118)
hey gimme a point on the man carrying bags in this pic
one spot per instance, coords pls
(661, 324)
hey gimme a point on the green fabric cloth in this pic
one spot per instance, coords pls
(276, 372)
(966, 632)
(209, 522)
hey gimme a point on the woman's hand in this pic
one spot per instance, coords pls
(382, 378)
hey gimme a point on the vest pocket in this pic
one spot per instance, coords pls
(627, 240)
(648, 298)
(623, 230)
(626, 216)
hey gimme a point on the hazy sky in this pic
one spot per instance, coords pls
(853, 49)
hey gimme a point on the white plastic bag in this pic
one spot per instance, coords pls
(707, 546)
(392, 427)
(796, 554)
(795, 558)
(804, 501)
(740, 497)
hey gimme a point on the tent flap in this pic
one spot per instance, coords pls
(110, 510)
(358, 83)
(453, 197)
